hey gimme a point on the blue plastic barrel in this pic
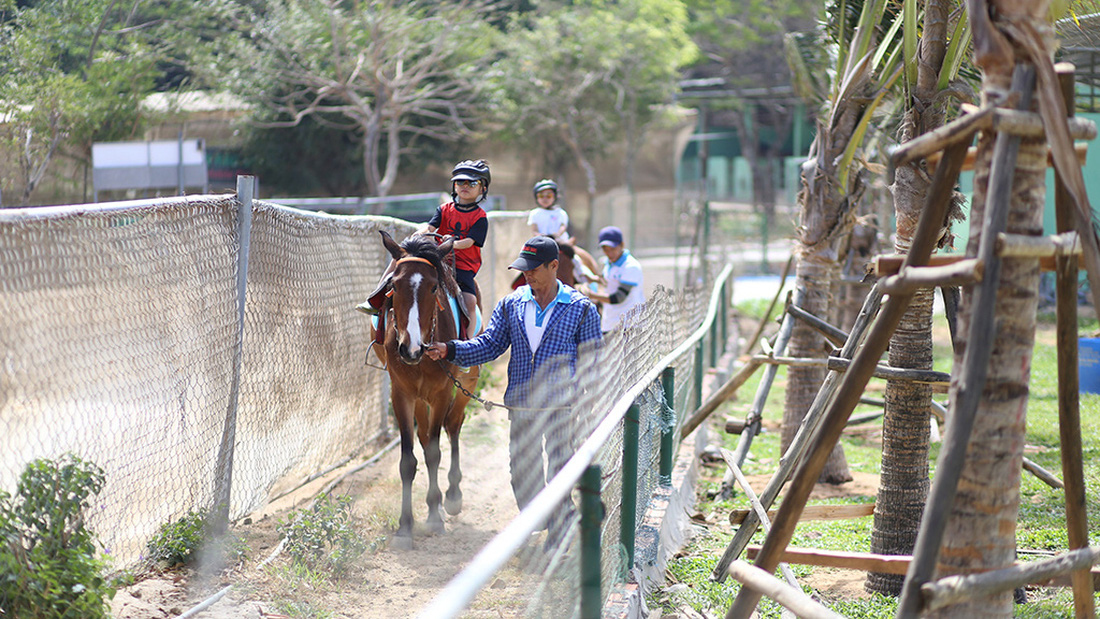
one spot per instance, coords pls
(1089, 364)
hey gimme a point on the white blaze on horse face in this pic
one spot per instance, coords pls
(416, 338)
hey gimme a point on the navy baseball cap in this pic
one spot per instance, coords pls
(535, 253)
(611, 236)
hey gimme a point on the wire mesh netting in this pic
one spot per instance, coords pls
(120, 332)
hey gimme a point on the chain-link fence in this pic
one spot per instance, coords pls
(123, 342)
(654, 364)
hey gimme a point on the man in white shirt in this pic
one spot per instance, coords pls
(623, 274)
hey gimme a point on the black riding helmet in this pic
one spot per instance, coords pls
(471, 170)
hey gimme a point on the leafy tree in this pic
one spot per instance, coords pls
(574, 79)
(745, 41)
(390, 72)
(74, 73)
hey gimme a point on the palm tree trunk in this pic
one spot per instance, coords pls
(816, 270)
(903, 485)
(981, 531)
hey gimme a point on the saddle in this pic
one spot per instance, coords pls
(377, 306)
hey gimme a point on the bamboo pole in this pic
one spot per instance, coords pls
(975, 363)
(855, 380)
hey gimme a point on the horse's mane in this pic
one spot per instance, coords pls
(424, 247)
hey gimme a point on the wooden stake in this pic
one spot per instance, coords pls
(955, 589)
(786, 596)
(1069, 411)
(961, 273)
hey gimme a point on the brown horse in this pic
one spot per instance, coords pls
(423, 395)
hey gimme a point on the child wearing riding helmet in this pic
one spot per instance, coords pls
(548, 218)
(462, 219)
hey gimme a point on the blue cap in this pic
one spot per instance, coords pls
(611, 236)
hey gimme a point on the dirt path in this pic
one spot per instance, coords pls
(386, 582)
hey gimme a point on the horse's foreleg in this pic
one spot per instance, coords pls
(453, 425)
(429, 441)
(403, 538)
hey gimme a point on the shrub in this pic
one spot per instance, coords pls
(48, 563)
(178, 543)
(323, 536)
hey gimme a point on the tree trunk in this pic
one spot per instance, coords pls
(903, 485)
(981, 531)
(816, 270)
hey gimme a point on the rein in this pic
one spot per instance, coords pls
(489, 404)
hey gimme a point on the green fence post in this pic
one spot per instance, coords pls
(629, 515)
(724, 304)
(591, 519)
(668, 428)
(699, 374)
(714, 343)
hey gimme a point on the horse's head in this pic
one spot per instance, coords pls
(416, 293)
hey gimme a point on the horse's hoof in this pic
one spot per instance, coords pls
(401, 542)
(453, 506)
(436, 527)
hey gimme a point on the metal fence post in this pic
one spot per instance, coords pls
(223, 476)
(668, 428)
(591, 519)
(714, 343)
(629, 514)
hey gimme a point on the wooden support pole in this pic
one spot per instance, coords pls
(955, 589)
(864, 561)
(1080, 150)
(855, 380)
(814, 512)
(761, 513)
(716, 399)
(1028, 124)
(836, 336)
(1069, 404)
(887, 265)
(961, 273)
(786, 596)
(931, 143)
(1044, 475)
(801, 441)
(1021, 246)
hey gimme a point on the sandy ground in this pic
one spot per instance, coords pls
(386, 582)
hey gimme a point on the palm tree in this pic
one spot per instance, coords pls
(903, 485)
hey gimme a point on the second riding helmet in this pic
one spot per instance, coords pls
(545, 184)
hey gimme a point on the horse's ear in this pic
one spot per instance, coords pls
(446, 247)
(391, 245)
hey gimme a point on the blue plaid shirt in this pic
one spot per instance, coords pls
(573, 322)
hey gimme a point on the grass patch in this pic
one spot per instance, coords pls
(1040, 525)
